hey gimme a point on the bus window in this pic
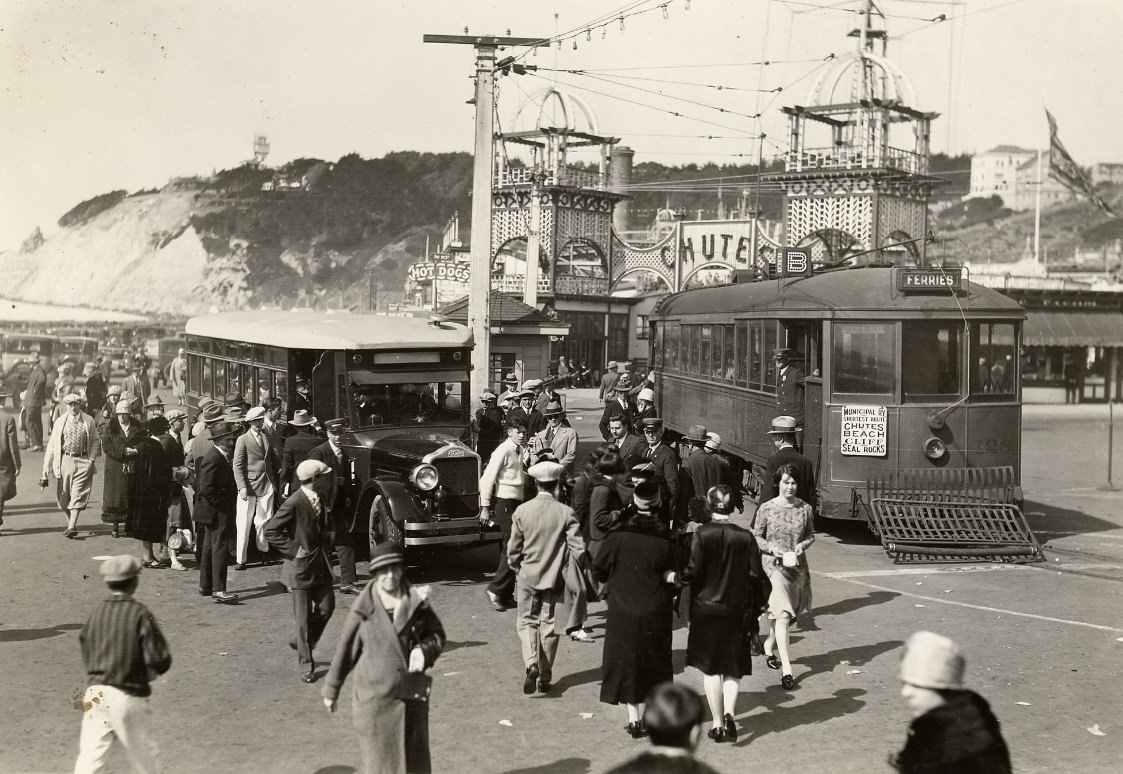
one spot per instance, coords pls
(741, 356)
(930, 360)
(993, 355)
(862, 358)
(423, 403)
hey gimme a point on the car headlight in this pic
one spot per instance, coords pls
(424, 477)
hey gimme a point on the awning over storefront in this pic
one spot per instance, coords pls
(1073, 329)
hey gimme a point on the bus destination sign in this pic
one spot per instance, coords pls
(929, 280)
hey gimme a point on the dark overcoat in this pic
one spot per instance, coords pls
(118, 490)
(297, 525)
(9, 457)
(343, 514)
(215, 489)
(152, 483)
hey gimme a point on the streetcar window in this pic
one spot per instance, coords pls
(727, 354)
(930, 360)
(657, 346)
(862, 358)
(704, 336)
(741, 353)
(994, 359)
(692, 350)
(219, 379)
(672, 346)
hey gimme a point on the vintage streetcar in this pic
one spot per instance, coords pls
(906, 370)
(401, 381)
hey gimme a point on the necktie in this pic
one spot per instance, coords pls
(651, 452)
(549, 436)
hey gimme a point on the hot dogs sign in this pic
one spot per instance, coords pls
(428, 271)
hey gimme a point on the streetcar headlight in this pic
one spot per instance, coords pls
(934, 448)
(424, 477)
(936, 421)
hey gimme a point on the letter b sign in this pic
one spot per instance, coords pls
(796, 263)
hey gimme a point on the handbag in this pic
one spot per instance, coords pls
(414, 686)
(594, 589)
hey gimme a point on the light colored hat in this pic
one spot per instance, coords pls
(647, 496)
(611, 365)
(234, 414)
(932, 661)
(553, 409)
(510, 378)
(713, 441)
(488, 395)
(526, 392)
(197, 428)
(301, 418)
(647, 394)
(531, 384)
(72, 398)
(175, 414)
(644, 470)
(114, 389)
(123, 407)
(696, 434)
(119, 568)
(257, 412)
(784, 424)
(385, 554)
(624, 383)
(309, 469)
(508, 396)
(546, 471)
(154, 402)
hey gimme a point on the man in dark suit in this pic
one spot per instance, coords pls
(663, 457)
(331, 453)
(489, 426)
(789, 386)
(700, 471)
(303, 440)
(526, 412)
(35, 394)
(620, 406)
(783, 436)
(216, 497)
(632, 447)
(301, 531)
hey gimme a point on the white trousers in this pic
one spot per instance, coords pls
(257, 509)
(113, 714)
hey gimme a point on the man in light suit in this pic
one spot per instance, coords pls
(216, 493)
(301, 531)
(544, 536)
(255, 471)
(556, 436)
(71, 450)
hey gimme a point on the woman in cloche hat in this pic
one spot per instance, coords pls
(391, 636)
(953, 730)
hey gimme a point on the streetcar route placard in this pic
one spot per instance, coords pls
(864, 431)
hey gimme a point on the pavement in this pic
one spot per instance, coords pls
(1044, 645)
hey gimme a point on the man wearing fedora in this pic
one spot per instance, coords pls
(301, 531)
(789, 386)
(95, 389)
(699, 472)
(34, 396)
(527, 413)
(619, 407)
(608, 382)
(302, 439)
(301, 397)
(255, 471)
(154, 407)
(71, 450)
(122, 649)
(783, 435)
(216, 497)
(137, 385)
(209, 415)
(544, 536)
(341, 505)
(556, 436)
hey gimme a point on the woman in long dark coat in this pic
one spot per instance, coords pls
(611, 492)
(9, 457)
(152, 484)
(119, 438)
(636, 561)
(723, 559)
(179, 512)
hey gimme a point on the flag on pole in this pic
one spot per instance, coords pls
(1063, 169)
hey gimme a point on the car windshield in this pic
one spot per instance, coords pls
(425, 403)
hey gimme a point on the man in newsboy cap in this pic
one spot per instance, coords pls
(73, 446)
(122, 648)
(301, 531)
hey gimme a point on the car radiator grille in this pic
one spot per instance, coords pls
(459, 476)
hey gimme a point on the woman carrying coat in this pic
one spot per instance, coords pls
(390, 631)
(637, 563)
(723, 559)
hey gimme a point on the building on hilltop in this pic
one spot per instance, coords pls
(1010, 173)
(1107, 173)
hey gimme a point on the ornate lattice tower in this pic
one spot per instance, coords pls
(856, 173)
(539, 197)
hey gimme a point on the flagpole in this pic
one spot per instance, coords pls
(1037, 209)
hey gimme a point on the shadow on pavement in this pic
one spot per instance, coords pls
(24, 635)
(31, 509)
(270, 589)
(844, 702)
(564, 766)
(454, 645)
(573, 680)
(32, 531)
(1050, 520)
(858, 655)
(856, 603)
(336, 770)
(849, 532)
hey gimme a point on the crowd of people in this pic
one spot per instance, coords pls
(632, 524)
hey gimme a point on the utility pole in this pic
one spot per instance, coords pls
(479, 289)
(533, 242)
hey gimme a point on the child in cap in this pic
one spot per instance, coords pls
(122, 649)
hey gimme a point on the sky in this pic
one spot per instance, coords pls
(99, 95)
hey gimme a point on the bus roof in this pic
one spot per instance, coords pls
(834, 294)
(328, 330)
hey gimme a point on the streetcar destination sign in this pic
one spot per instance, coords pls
(864, 431)
(929, 279)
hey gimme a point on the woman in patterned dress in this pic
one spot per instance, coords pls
(784, 525)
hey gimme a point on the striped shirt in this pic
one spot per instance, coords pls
(121, 643)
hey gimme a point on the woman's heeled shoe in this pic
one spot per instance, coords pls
(787, 682)
(729, 728)
(717, 733)
(772, 662)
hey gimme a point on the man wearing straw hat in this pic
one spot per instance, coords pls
(122, 649)
(71, 450)
(301, 531)
(544, 536)
(783, 434)
(619, 407)
(556, 436)
(255, 470)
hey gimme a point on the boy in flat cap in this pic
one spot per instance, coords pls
(544, 536)
(122, 649)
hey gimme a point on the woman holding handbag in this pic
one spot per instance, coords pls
(784, 530)
(391, 636)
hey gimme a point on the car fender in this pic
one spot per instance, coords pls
(397, 494)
